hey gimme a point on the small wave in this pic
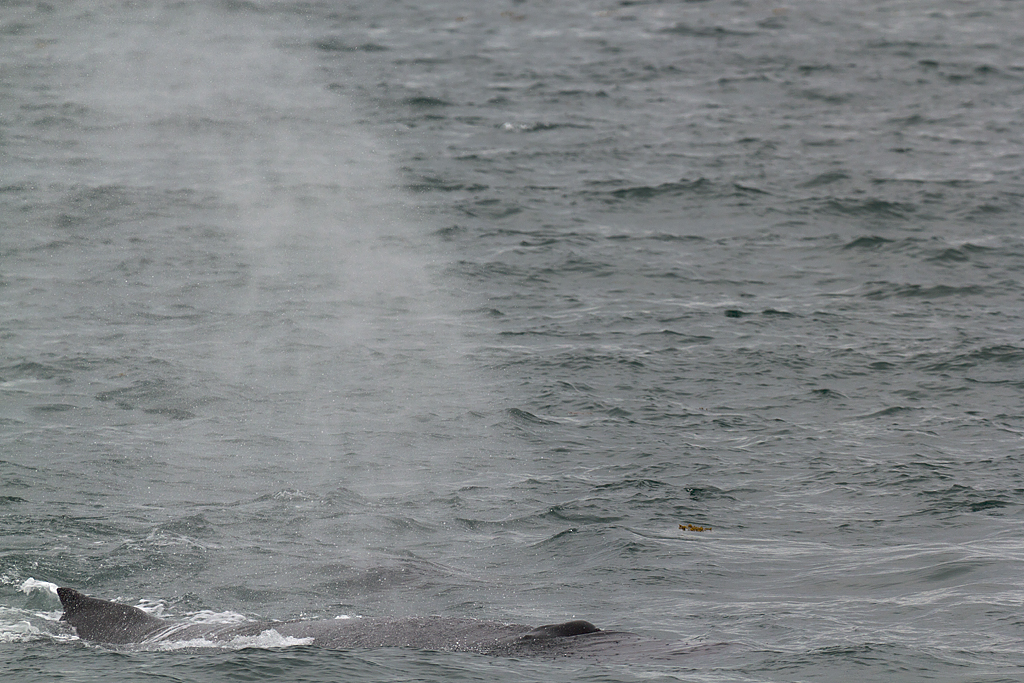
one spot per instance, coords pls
(638, 483)
(288, 496)
(825, 179)
(336, 44)
(30, 585)
(827, 393)
(867, 242)
(524, 416)
(158, 538)
(959, 498)
(421, 101)
(940, 177)
(976, 358)
(436, 184)
(821, 95)
(683, 29)
(537, 126)
(1001, 353)
(665, 189)
(54, 408)
(961, 252)
(886, 412)
(890, 290)
(950, 255)
(173, 413)
(30, 370)
(869, 208)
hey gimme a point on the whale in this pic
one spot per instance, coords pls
(117, 624)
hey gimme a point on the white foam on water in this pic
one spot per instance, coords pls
(211, 617)
(16, 625)
(268, 639)
(30, 585)
(17, 630)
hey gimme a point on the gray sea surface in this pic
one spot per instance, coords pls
(702, 320)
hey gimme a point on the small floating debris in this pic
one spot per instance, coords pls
(694, 527)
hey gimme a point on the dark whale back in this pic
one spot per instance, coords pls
(110, 622)
(578, 627)
(106, 622)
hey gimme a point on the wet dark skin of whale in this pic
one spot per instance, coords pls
(113, 623)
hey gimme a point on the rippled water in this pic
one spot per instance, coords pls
(314, 309)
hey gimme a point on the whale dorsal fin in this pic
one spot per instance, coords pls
(104, 621)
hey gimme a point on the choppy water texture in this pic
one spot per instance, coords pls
(333, 308)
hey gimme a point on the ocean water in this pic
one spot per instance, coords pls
(319, 309)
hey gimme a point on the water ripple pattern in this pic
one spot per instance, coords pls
(701, 320)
